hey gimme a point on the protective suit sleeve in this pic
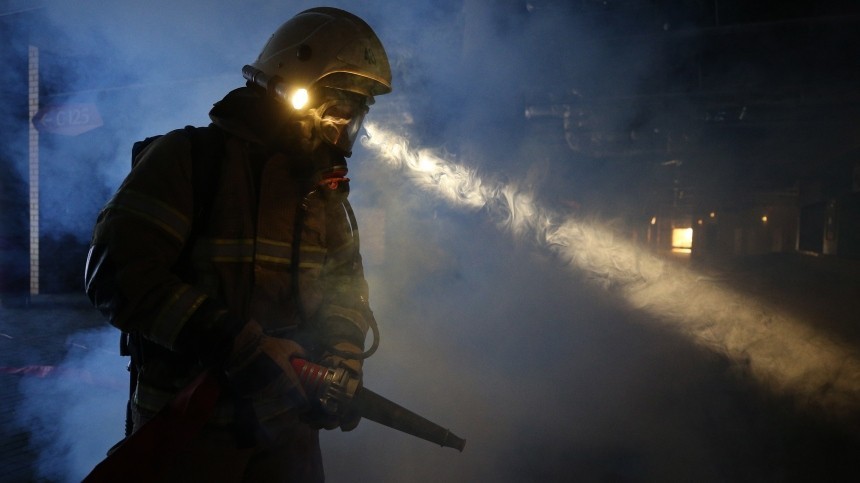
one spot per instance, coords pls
(136, 244)
(344, 314)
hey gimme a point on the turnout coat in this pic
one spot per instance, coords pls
(276, 247)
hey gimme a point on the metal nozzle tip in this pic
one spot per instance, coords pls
(452, 441)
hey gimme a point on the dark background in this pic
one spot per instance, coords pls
(610, 113)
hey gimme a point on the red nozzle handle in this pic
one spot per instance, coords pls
(312, 376)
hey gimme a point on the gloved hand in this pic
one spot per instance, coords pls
(331, 359)
(347, 420)
(260, 364)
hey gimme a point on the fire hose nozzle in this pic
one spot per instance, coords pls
(333, 388)
(336, 390)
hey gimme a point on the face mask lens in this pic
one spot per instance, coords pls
(353, 127)
(344, 121)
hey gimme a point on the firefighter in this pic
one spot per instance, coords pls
(269, 269)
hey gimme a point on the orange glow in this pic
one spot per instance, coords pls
(682, 240)
(299, 98)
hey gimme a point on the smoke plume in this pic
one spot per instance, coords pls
(512, 309)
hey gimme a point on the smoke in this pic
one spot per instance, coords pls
(77, 410)
(782, 352)
(553, 344)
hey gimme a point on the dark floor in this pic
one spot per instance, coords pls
(34, 331)
(743, 430)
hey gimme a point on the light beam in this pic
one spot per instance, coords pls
(777, 349)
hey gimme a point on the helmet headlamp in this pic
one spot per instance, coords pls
(339, 112)
(299, 98)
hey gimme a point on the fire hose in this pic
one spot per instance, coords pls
(334, 389)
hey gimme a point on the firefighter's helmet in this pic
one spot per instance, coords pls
(335, 58)
(326, 47)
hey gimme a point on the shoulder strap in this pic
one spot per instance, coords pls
(207, 149)
(207, 153)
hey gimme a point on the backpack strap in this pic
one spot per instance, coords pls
(207, 153)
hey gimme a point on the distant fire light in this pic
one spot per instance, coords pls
(682, 240)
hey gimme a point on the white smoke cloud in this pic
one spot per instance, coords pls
(781, 351)
(621, 368)
(77, 410)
